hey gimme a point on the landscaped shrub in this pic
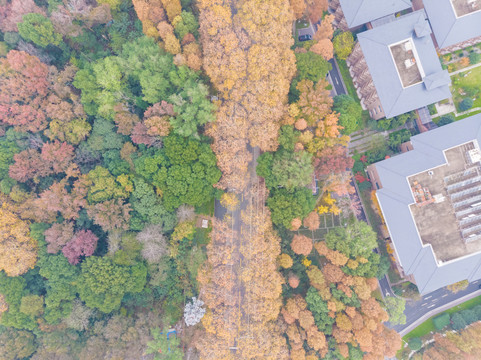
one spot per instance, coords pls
(458, 322)
(466, 104)
(441, 321)
(469, 315)
(471, 91)
(446, 119)
(474, 58)
(396, 138)
(415, 344)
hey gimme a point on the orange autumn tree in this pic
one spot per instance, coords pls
(242, 56)
(301, 245)
(344, 312)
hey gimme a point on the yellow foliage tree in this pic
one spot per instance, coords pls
(285, 261)
(173, 8)
(230, 201)
(18, 251)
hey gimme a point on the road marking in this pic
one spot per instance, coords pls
(445, 295)
(429, 297)
(433, 305)
(424, 304)
(337, 82)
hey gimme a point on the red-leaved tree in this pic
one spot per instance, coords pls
(83, 243)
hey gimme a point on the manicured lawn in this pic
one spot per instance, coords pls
(472, 78)
(468, 115)
(302, 24)
(423, 329)
(206, 209)
(351, 90)
(465, 305)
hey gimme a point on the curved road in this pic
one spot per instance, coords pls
(433, 303)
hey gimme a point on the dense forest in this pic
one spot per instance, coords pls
(122, 122)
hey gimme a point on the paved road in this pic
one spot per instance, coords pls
(384, 284)
(336, 78)
(385, 287)
(432, 302)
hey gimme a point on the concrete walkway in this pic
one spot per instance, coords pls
(465, 69)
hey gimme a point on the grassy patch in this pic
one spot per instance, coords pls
(468, 115)
(472, 79)
(465, 305)
(428, 326)
(206, 209)
(422, 330)
(202, 236)
(302, 24)
(346, 76)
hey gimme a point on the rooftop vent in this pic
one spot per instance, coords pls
(422, 28)
(474, 155)
(437, 80)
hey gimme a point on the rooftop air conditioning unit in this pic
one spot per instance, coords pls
(474, 155)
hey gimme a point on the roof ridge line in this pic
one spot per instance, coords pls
(449, 32)
(429, 280)
(357, 10)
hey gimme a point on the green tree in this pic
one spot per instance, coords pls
(458, 321)
(103, 284)
(287, 205)
(103, 137)
(286, 169)
(103, 186)
(184, 171)
(192, 108)
(186, 24)
(7, 150)
(469, 315)
(39, 30)
(32, 305)
(396, 138)
(446, 119)
(356, 239)
(288, 137)
(343, 44)
(164, 348)
(415, 344)
(466, 104)
(61, 285)
(154, 70)
(312, 66)
(13, 289)
(395, 308)
(350, 113)
(319, 310)
(114, 4)
(474, 58)
(148, 207)
(441, 321)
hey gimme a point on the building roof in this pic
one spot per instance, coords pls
(360, 12)
(396, 197)
(376, 46)
(450, 29)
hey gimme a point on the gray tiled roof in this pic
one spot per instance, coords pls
(396, 196)
(359, 12)
(394, 98)
(448, 29)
